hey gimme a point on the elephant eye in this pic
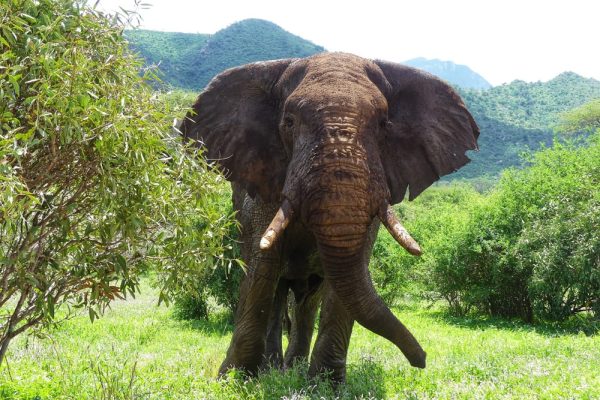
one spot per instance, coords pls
(385, 123)
(288, 122)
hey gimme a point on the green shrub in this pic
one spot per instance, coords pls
(94, 190)
(435, 219)
(390, 269)
(564, 249)
(532, 248)
(529, 248)
(220, 283)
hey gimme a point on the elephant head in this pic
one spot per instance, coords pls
(336, 139)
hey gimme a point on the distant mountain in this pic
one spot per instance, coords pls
(513, 117)
(244, 42)
(456, 74)
(190, 61)
(171, 51)
(519, 116)
(194, 60)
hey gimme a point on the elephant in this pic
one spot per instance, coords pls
(317, 151)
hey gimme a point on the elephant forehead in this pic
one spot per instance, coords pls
(337, 91)
(345, 60)
(336, 82)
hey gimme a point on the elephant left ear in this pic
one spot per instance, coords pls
(428, 133)
(236, 118)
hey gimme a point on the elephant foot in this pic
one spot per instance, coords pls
(290, 362)
(246, 368)
(274, 360)
(226, 367)
(335, 374)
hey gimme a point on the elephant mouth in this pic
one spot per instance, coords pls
(386, 215)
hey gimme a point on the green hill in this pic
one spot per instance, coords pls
(517, 117)
(534, 105)
(513, 118)
(190, 61)
(456, 74)
(170, 51)
(243, 42)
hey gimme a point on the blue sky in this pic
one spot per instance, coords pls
(504, 40)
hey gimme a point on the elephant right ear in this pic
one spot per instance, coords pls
(237, 118)
(429, 130)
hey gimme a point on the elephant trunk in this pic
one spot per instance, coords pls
(341, 216)
(346, 271)
(338, 197)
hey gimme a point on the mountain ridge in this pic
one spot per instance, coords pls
(456, 74)
(240, 43)
(513, 117)
(190, 60)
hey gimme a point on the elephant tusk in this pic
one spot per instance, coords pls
(277, 226)
(398, 232)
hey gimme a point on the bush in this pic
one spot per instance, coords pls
(93, 188)
(529, 248)
(390, 269)
(435, 219)
(220, 283)
(532, 249)
(565, 250)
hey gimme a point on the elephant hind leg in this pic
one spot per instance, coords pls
(274, 350)
(307, 297)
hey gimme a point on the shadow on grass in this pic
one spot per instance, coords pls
(364, 380)
(573, 326)
(217, 324)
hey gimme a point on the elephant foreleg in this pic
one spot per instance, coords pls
(333, 339)
(247, 348)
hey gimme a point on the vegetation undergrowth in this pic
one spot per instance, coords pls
(139, 351)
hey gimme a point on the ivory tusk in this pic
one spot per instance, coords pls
(277, 225)
(398, 232)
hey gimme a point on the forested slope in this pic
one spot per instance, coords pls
(190, 61)
(169, 51)
(513, 118)
(517, 117)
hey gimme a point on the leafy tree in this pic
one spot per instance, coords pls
(94, 190)
(583, 118)
(219, 284)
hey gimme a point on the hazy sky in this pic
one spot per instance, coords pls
(502, 40)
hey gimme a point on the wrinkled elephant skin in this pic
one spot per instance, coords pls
(317, 150)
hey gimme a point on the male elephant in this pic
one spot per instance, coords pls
(317, 150)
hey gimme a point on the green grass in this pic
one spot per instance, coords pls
(139, 351)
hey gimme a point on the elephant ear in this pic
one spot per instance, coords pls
(428, 133)
(236, 118)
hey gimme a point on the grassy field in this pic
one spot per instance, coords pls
(139, 351)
